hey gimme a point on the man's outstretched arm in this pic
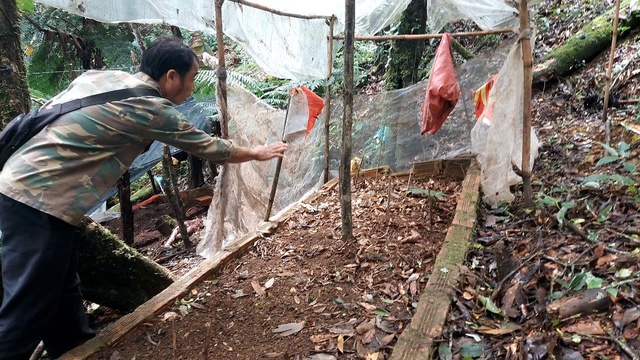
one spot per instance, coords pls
(260, 153)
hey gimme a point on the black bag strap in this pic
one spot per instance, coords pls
(103, 98)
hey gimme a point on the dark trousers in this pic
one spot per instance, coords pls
(42, 299)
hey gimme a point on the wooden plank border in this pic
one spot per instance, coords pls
(417, 340)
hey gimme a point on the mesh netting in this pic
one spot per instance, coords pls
(386, 132)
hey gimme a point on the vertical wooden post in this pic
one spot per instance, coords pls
(173, 195)
(607, 86)
(525, 42)
(221, 98)
(221, 88)
(126, 210)
(347, 119)
(327, 101)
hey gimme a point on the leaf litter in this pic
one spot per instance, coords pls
(302, 293)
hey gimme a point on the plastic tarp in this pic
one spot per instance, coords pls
(498, 141)
(487, 14)
(283, 46)
(386, 131)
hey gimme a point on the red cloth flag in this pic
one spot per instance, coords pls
(304, 108)
(316, 104)
(482, 101)
(443, 91)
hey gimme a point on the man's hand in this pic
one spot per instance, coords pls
(260, 153)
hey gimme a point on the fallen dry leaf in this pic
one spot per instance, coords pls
(289, 329)
(320, 338)
(621, 320)
(366, 306)
(605, 259)
(585, 328)
(269, 283)
(506, 328)
(170, 316)
(365, 326)
(257, 288)
(341, 343)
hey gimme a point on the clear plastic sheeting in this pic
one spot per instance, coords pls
(386, 132)
(498, 142)
(242, 196)
(283, 46)
(487, 14)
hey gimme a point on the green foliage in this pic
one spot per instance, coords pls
(47, 71)
(366, 55)
(620, 154)
(55, 60)
(272, 91)
(26, 5)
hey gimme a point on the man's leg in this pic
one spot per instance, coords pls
(37, 251)
(69, 326)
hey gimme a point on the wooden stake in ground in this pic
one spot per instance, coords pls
(276, 177)
(327, 101)
(607, 86)
(126, 210)
(173, 195)
(347, 120)
(527, 60)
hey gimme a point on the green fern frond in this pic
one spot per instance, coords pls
(208, 78)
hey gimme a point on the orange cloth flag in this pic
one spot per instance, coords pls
(443, 91)
(304, 108)
(482, 101)
(316, 104)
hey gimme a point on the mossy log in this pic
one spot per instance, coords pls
(140, 195)
(114, 274)
(587, 43)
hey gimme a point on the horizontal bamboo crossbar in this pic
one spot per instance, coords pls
(426, 36)
(278, 12)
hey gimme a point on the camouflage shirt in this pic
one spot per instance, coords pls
(66, 168)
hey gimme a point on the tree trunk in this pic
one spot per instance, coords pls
(114, 274)
(14, 92)
(407, 54)
(591, 40)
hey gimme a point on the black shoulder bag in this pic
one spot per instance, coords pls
(25, 126)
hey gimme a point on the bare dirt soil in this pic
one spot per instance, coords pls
(304, 293)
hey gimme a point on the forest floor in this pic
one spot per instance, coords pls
(522, 276)
(302, 291)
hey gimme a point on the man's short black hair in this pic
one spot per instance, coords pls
(167, 53)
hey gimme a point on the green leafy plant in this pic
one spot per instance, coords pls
(26, 5)
(618, 156)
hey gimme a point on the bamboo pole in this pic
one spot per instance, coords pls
(221, 99)
(221, 88)
(276, 177)
(278, 12)
(425, 36)
(173, 195)
(607, 86)
(327, 101)
(527, 60)
(347, 120)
